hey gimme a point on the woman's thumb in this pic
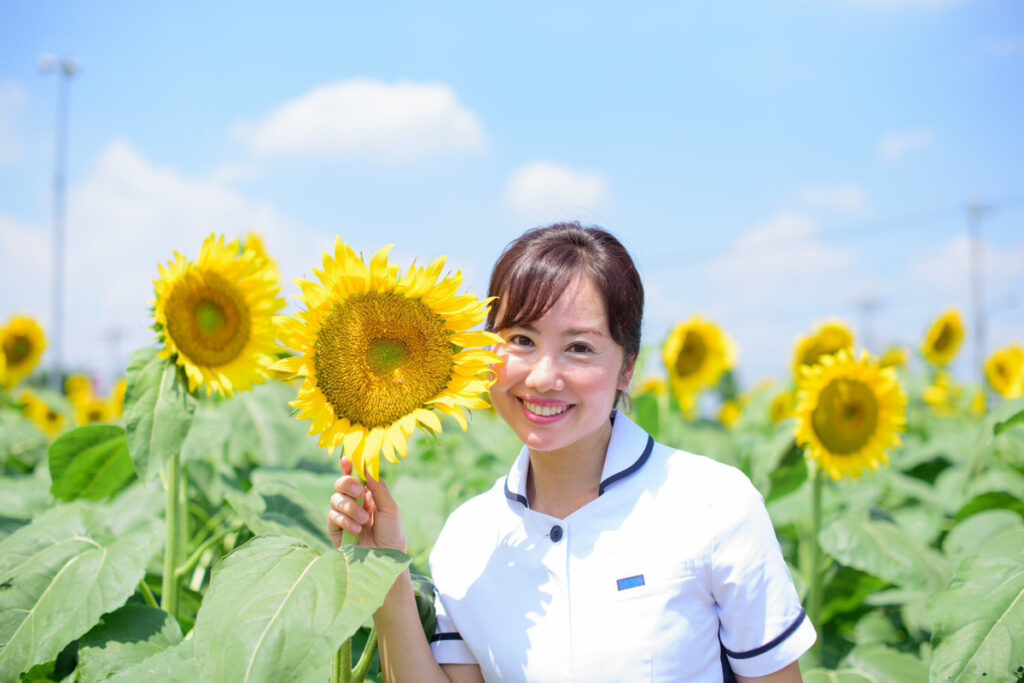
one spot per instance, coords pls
(381, 495)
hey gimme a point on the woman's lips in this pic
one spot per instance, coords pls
(544, 411)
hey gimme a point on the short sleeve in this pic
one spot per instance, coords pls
(763, 626)
(447, 643)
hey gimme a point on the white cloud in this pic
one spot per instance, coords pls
(12, 96)
(847, 197)
(778, 256)
(366, 118)
(1007, 46)
(542, 191)
(896, 145)
(946, 268)
(127, 216)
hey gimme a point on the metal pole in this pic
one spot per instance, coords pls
(66, 68)
(975, 212)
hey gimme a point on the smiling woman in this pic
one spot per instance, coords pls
(561, 570)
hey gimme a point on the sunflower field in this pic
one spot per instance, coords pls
(174, 529)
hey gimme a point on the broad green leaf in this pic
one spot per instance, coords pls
(279, 511)
(1017, 419)
(837, 676)
(277, 609)
(125, 637)
(766, 456)
(994, 500)
(22, 444)
(920, 522)
(158, 412)
(970, 535)
(979, 618)
(875, 627)
(886, 665)
(423, 527)
(61, 573)
(647, 413)
(886, 551)
(264, 431)
(23, 498)
(90, 463)
(176, 664)
(847, 591)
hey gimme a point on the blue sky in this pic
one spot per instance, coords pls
(768, 164)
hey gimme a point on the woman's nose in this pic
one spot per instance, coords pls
(545, 375)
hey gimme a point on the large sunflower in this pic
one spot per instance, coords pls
(378, 350)
(1004, 370)
(215, 317)
(849, 412)
(696, 354)
(944, 338)
(22, 342)
(828, 338)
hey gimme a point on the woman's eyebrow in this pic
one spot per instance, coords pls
(582, 332)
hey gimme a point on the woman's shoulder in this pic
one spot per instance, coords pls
(702, 475)
(479, 518)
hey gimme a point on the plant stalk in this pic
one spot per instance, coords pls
(366, 658)
(814, 597)
(342, 671)
(169, 591)
(147, 594)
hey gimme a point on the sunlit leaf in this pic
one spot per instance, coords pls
(157, 412)
(886, 665)
(90, 463)
(124, 638)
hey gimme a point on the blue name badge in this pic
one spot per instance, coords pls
(630, 582)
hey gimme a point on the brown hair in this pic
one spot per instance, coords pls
(536, 268)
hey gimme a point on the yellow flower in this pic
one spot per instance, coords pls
(3, 369)
(653, 385)
(782, 407)
(380, 351)
(91, 410)
(78, 386)
(943, 395)
(254, 244)
(215, 317)
(46, 418)
(1004, 371)
(979, 404)
(696, 354)
(730, 414)
(116, 400)
(944, 338)
(895, 357)
(849, 412)
(22, 342)
(828, 338)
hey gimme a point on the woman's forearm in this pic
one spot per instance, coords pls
(404, 651)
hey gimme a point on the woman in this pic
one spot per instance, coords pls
(602, 555)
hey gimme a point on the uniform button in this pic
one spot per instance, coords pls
(556, 534)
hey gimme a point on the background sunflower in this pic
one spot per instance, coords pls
(849, 412)
(830, 337)
(380, 351)
(22, 342)
(944, 338)
(696, 354)
(215, 317)
(1004, 371)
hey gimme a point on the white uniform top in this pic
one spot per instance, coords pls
(672, 568)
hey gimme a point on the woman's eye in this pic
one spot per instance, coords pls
(519, 340)
(579, 347)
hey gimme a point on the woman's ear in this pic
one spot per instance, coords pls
(626, 376)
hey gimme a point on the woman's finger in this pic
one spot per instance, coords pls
(337, 521)
(349, 486)
(349, 508)
(346, 465)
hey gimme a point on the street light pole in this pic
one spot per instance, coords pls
(65, 68)
(975, 212)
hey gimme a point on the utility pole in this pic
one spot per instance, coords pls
(867, 306)
(65, 68)
(975, 212)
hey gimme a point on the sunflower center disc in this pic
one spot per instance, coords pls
(379, 355)
(17, 348)
(208, 319)
(846, 416)
(944, 340)
(692, 355)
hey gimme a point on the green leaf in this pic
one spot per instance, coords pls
(979, 618)
(837, 676)
(971, 535)
(125, 637)
(278, 609)
(23, 498)
(158, 412)
(276, 510)
(647, 413)
(22, 444)
(1012, 421)
(847, 591)
(263, 430)
(90, 463)
(994, 500)
(177, 664)
(875, 627)
(885, 551)
(886, 665)
(62, 572)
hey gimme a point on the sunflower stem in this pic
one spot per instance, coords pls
(815, 588)
(366, 657)
(342, 671)
(169, 588)
(147, 594)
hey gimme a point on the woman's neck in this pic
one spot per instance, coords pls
(558, 483)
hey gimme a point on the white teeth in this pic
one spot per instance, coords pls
(545, 411)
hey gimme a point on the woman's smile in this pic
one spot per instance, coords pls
(544, 411)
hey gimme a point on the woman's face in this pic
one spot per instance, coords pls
(561, 373)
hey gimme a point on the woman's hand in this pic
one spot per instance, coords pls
(377, 521)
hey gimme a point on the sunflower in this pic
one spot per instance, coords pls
(23, 342)
(849, 412)
(653, 385)
(380, 351)
(730, 414)
(697, 353)
(39, 411)
(944, 338)
(895, 357)
(215, 317)
(1004, 371)
(254, 244)
(116, 399)
(92, 409)
(828, 338)
(943, 394)
(78, 385)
